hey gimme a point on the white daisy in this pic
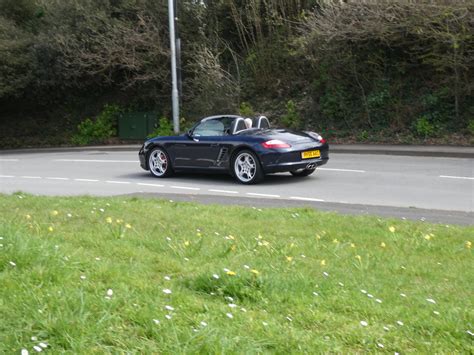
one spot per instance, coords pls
(110, 292)
(215, 276)
(168, 316)
(430, 300)
(364, 323)
(204, 324)
(232, 305)
(167, 291)
(229, 315)
(399, 322)
(169, 308)
(167, 278)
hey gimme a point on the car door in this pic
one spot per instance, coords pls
(202, 147)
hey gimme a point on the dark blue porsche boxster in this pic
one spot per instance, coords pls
(246, 148)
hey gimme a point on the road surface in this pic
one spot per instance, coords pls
(440, 188)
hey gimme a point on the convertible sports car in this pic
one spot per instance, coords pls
(226, 143)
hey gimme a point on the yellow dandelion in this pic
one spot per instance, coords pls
(292, 245)
(323, 262)
(318, 237)
(382, 245)
(335, 241)
(259, 236)
(186, 243)
(28, 216)
(231, 273)
(119, 221)
(50, 229)
(231, 237)
(353, 245)
(391, 229)
(198, 234)
(358, 257)
(233, 247)
(108, 220)
(255, 272)
(468, 245)
(128, 226)
(289, 259)
(54, 213)
(427, 237)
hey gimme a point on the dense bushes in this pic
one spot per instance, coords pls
(354, 67)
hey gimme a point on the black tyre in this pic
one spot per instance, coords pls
(246, 167)
(159, 163)
(302, 172)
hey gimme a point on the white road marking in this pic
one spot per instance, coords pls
(6, 176)
(153, 185)
(262, 195)
(95, 161)
(86, 180)
(117, 182)
(56, 178)
(306, 199)
(30, 177)
(344, 170)
(456, 177)
(186, 188)
(5, 159)
(224, 191)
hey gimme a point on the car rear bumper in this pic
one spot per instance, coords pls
(290, 160)
(291, 166)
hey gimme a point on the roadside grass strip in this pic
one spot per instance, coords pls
(128, 275)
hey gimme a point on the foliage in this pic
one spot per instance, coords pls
(176, 271)
(165, 128)
(291, 118)
(350, 65)
(99, 129)
(470, 127)
(246, 110)
(424, 128)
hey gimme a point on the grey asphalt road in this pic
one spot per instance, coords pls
(438, 189)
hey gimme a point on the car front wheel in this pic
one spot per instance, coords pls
(247, 169)
(159, 163)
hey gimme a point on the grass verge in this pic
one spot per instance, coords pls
(94, 275)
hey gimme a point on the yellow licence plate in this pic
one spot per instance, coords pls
(310, 154)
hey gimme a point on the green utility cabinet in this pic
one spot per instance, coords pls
(137, 125)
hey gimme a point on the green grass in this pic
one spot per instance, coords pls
(284, 302)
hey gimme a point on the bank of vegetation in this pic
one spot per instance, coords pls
(376, 70)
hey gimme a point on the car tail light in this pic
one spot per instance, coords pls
(275, 143)
(322, 140)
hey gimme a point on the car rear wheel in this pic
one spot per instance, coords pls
(159, 163)
(247, 169)
(302, 172)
